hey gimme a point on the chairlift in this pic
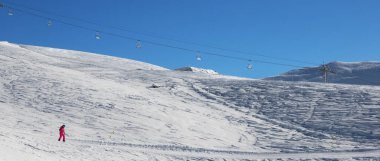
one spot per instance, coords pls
(138, 44)
(50, 23)
(1, 5)
(97, 36)
(10, 12)
(199, 57)
(250, 65)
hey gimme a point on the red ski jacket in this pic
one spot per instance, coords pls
(62, 130)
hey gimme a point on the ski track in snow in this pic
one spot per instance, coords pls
(214, 153)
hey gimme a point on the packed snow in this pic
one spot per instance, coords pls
(112, 112)
(362, 73)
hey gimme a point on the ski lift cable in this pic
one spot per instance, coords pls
(122, 28)
(150, 42)
(154, 43)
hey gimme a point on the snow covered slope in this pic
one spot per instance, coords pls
(196, 70)
(111, 112)
(364, 73)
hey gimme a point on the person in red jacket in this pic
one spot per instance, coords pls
(62, 133)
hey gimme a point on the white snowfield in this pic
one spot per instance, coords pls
(112, 112)
(361, 73)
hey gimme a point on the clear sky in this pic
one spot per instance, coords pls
(313, 31)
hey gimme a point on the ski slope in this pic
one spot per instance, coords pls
(112, 112)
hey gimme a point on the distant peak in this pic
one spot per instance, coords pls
(362, 73)
(197, 70)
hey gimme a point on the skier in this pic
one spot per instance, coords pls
(62, 133)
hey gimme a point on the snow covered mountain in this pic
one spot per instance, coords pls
(196, 70)
(111, 112)
(364, 73)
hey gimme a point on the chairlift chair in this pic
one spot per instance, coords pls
(10, 12)
(250, 65)
(97, 36)
(138, 44)
(50, 23)
(199, 58)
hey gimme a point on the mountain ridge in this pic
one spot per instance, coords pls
(361, 73)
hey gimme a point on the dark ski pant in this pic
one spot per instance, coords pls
(61, 136)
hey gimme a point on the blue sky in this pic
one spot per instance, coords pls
(312, 31)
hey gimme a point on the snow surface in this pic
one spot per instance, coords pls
(362, 73)
(112, 113)
(197, 70)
